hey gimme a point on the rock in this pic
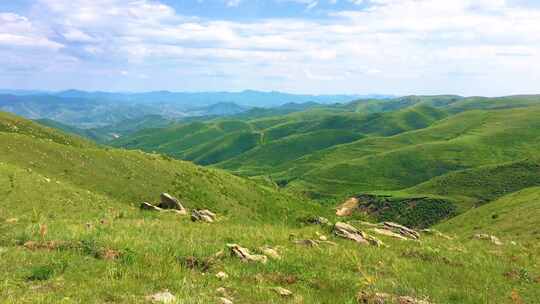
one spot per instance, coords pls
(162, 297)
(323, 238)
(222, 275)
(349, 232)
(245, 255)
(223, 300)
(493, 239)
(282, 291)
(203, 216)
(348, 207)
(170, 202)
(364, 297)
(318, 220)
(270, 252)
(405, 231)
(150, 207)
(389, 233)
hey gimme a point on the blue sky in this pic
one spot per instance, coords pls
(468, 47)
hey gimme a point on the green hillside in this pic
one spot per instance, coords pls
(71, 231)
(512, 217)
(463, 141)
(132, 177)
(255, 146)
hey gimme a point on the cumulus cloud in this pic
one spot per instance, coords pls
(386, 45)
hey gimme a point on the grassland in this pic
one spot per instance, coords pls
(75, 206)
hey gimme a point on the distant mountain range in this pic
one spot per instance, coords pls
(98, 109)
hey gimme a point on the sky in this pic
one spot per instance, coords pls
(466, 47)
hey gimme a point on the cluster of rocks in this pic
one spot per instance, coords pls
(169, 203)
(347, 231)
(245, 254)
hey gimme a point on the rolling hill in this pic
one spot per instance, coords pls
(71, 230)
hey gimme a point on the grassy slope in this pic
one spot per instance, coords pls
(463, 141)
(132, 177)
(85, 196)
(254, 146)
(483, 184)
(511, 217)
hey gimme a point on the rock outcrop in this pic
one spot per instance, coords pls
(349, 232)
(405, 231)
(203, 215)
(170, 202)
(245, 255)
(348, 207)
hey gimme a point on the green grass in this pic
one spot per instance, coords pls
(88, 197)
(463, 141)
(513, 217)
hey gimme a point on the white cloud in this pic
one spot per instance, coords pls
(18, 31)
(407, 39)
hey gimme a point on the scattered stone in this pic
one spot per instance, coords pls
(349, 232)
(323, 238)
(170, 202)
(348, 207)
(12, 220)
(162, 297)
(405, 231)
(270, 252)
(389, 233)
(282, 291)
(318, 220)
(150, 207)
(245, 255)
(364, 297)
(203, 216)
(222, 275)
(223, 300)
(493, 239)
